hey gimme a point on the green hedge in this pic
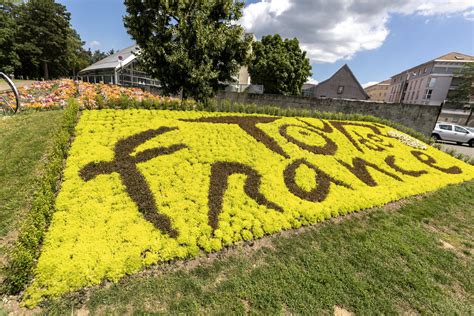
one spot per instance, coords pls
(25, 252)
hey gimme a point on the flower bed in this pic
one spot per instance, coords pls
(145, 186)
(44, 95)
(94, 96)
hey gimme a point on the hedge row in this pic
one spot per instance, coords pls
(24, 254)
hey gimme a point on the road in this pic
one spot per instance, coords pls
(462, 149)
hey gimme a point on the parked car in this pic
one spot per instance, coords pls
(454, 133)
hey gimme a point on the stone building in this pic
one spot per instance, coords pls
(378, 91)
(342, 85)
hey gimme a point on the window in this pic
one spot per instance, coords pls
(417, 94)
(460, 129)
(428, 93)
(340, 89)
(446, 127)
(432, 83)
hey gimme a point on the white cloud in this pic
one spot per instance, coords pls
(469, 15)
(368, 84)
(338, 29)
(94, 44)
(312, 80)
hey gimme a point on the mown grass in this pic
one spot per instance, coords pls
(24, 139)
(383, 261)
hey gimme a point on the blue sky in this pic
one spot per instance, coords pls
(376, 41)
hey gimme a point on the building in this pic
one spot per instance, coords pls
(120, 68)
(343, 84)
(428, 83)
(378, 91)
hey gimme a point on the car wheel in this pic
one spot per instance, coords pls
(436, 137)
(471, 143)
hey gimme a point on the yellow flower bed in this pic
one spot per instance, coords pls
(146, 186)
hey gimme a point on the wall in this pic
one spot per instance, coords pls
(419, 117)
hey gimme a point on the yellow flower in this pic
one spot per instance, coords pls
(214, 183)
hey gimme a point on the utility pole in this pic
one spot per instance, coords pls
(470, 114)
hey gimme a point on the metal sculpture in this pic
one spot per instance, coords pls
(4, 102)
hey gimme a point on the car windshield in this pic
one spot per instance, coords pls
(471, 129)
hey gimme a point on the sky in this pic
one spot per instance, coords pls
(376, 38)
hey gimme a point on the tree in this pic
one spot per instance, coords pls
(44, 38)
(77, 57)
(279, 65)
(9, 59)
(464, 91)
(98, 55)
(190, 46)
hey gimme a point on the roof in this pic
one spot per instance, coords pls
(112, 61)
(308, 85)
(452, 56)
(346, 67)
(384, 83)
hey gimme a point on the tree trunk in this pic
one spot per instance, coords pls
(45, 70)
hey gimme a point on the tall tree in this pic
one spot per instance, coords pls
(190, 46)
(77, 57)
(9, 59)
(279, 65)
(44, 37)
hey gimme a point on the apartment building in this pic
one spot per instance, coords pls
(378, 91)
(428, 83)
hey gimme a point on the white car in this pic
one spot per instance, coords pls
(453, 133)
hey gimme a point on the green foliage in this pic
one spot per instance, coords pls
(26, 249)
(44, 33)
(40, 41)
(464, 90)
(190, 46)
(279, 65)
(97, 55)
(9, 59)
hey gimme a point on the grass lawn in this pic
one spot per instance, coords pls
(416, 258)
(24, 139)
